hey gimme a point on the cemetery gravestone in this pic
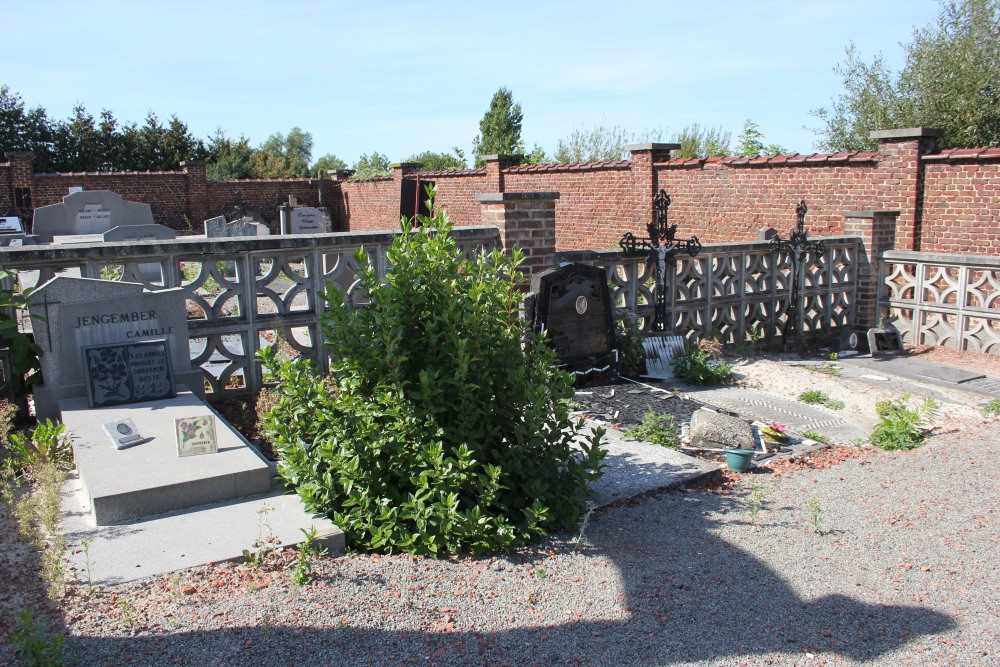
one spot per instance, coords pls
(219, 227)
(573, 304)
(11, 231)
(88, 212)
(309, 220)
(72, 314)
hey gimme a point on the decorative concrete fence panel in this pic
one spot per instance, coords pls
(736, 289)
(242, 293)
(943, 299)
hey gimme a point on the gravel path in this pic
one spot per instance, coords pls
(904, 572)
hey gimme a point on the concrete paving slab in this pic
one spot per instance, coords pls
(635, 467)
(183, 539)
(150, 478)
(910, 369)
(766, 407)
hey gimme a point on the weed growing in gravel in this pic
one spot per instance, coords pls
(992, 408)
(88, 564)
(826, 368)
(756, 499)
(127, 610)
(583, 527)
(308, 550)
(702, 365)
(48, 444)
(815, 516)
(34, 645)
(903, 427)
(540, 573)
(265, 543)
(815, 435)
(656, 428)
(817, 397)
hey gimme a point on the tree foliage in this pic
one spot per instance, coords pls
(283, 156)
(601, 143)
(500, 128)
(950, 80)
(698, 141)
(328, 162)
(751, 142)
(437, 430)
(431, 161)
(229, 158)
(374, 166)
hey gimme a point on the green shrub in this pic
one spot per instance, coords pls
(633, 358)
(438, 430)
(34, 645)
(700, 366)
(656, 428)
(902, 426)
(24, 354)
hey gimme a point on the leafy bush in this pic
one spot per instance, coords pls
(701, 365)
(633, 358)
(902, 426)
(656, 428)
(438, 429)
(24, 354)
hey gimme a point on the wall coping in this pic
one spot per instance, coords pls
(218, 246)
(941, 258)
(635, 148)
(500, 197)
(869, 214)
(906, 133)
(614, 255)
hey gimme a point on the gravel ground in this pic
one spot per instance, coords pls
(903, 570)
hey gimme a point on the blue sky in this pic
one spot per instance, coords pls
(402, 77)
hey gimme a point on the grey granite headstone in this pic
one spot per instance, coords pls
(714, 430)
(216, 227)
(11, 225)
(88, 212)
(82, 312)
(573, 304)
(309, 220)
(127, 373)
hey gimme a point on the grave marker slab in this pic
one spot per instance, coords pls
(309, 220)
(124, 433)
(128, 373)
(88, 212)
(10, 225)
(573, 304)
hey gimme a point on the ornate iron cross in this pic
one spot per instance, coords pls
(661, 247)
(797, 245)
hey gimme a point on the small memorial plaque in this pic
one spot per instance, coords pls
(196, 435)
(124, 433)
(127, 373)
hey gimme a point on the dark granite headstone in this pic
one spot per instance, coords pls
(573, 304)
(127, 373)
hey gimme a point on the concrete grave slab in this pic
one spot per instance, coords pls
(139, 233)
(150, 478)
(88, 212)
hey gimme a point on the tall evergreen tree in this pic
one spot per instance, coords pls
(500, 128)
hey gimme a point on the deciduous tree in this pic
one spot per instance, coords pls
(500, 128)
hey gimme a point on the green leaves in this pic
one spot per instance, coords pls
(438, 430)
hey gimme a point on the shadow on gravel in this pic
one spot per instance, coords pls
(688, 596)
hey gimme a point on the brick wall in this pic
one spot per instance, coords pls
(961, 202)
(372, 205)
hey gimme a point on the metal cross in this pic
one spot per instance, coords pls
(661, 246)
(797, 245)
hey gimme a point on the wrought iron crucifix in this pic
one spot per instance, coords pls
(797, 245)
(661, 247)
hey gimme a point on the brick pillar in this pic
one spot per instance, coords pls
(197, 193)
(645, 182)
(22, 184)
(495, 165)
(878, 232)
(526, 220)
(901, 173)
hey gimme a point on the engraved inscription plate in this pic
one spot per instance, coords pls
(196, 435)
(127, 373)
(124, 433)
